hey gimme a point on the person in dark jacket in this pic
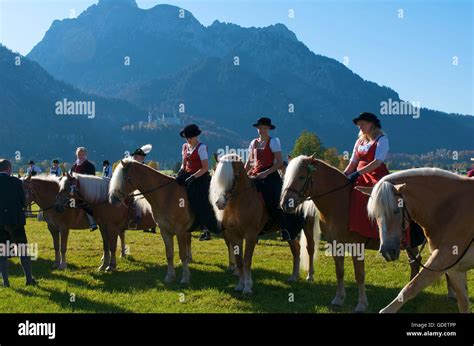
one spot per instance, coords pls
(83, 166)
(12, 220)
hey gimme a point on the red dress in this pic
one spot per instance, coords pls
(192, 161)
(264, 158)
(358, 218)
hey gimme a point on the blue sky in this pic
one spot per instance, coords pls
(413, 55)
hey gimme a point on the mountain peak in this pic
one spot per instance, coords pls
(116, 3)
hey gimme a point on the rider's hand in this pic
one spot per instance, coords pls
(353, 176)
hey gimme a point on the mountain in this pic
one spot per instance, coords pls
(230, 75)
(31, 124)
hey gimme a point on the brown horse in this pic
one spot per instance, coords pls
(307, 177)
(169, 203)
(243, 216)
(43, 190)
(114, 219)
(441, 202)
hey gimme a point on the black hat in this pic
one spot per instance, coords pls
(31, 162)
(266, 122)
(105, 162)
(368, 117)
(139, 151)
(190, 131)
(55, 161)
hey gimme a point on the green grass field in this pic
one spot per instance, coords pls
(138, 284)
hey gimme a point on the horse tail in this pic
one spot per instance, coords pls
(311, 216)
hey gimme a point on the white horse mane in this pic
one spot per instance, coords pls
(222, 181)
(292, 169)
(93, 189)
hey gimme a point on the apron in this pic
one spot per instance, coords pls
(358, 218)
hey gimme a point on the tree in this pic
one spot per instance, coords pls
(307, 144)
(153, 164)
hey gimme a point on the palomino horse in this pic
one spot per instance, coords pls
(114, 220)
(243, 216)
(43, 190)
(441, 203)
(169, 202)
(307, 177)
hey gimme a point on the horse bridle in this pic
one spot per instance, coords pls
(302, 194)
(27, 186)
(415, 258)
(127, 178)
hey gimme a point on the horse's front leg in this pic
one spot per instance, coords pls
(123, 252)
(113, 238)
(57, 255)
(250, 243)
(340, 290)
(422, 280)
(64, 238)
(169, 249)
(105, 244)
(237, 248)
(183, 255)
(359, 272)
(231, 268)
(295, 251)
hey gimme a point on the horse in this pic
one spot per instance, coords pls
(242, 215)
(441, 203)
(42, 190)
(169, 204)
(114, 219)
(329, 189)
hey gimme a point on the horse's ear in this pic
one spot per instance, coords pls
(122, 163)
(64, 174)
(289, 157)
(68, 175)
(399, 187)
(216, 157)
(313, 156)
(366, 190)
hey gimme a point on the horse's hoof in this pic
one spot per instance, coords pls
(230, 269)
(292, 279)
(309, 279)
(452, 296)
(337, 302)
(184, 281)
(110, 269)
(360, 308)
(247, 291)
(239, 287)
(101, 268)
(169, 279)
(55, 265)
(123, 255)
(62, 266)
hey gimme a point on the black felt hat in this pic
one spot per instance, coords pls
(55, 161)
(105, 162)
(31, 162)
(190, 131)
(264, 121)
(368, 117)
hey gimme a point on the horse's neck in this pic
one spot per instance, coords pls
(327, 178)
(424, 195)
(149, 180)
(45, 193)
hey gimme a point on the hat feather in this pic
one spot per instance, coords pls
(146, 148)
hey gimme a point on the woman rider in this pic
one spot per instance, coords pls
(366, 168)
(195, 176)
(263, 163)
